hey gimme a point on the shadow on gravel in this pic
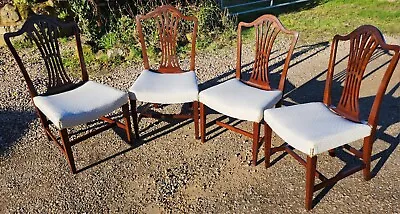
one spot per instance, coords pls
(13, 125)
(312, 91)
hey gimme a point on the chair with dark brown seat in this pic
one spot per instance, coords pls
(314, 128)
(247, 99)
(64, 101)
(168, 84)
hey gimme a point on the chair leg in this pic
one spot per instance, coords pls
(367, 150)
(196, 119)
(68, 150)
(202, 123)
(332, 152)
(256, 139)
(44, 122)
(267, 144)
(134, 118)
(310, 179)
(128, 129)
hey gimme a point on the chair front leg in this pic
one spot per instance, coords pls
(134, 118)
(196, 119)
(267, 144)
(128, 129)
(202, 123)
(332, 152)
(67, 149)
(45, 123)
(310, 180)
(367, 151)
(256, 139)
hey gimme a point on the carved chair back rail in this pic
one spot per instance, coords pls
(167, 19)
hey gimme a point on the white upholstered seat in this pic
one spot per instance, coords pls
(239, 100)
(164, 88)
(80, 105)
(313, 128)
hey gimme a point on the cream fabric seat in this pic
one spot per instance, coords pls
(239, 100)
(80, 105)
(164, 88)
(313, 128)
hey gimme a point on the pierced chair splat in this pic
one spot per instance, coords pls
(168, 84)
(66, 102)
(318, 127)
(247, 99)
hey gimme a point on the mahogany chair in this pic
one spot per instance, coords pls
(314, 128)
(247, 100)
(64, 101)
(168, 84)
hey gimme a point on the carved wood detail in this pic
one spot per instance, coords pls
(267, 28)
(44, 31)
(266, 33)
(362, 47)
(363, 43)
(167, 19)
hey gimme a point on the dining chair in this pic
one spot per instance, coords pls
(318, 127)
(169, 83)
(247, 99)
(64, 101)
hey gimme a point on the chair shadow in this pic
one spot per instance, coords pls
(173, 125)
(14, 124)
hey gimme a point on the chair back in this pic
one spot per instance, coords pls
(267, 28)
(44, 31)
(363, 42)
(167, 19)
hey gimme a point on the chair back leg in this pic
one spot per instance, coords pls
(134, 118)
(267, 144)
(256, 139)
(128, 129)
(44, 122)
(367, 150)
(332, 152)
(311, 168)
(196, 119)
(202, 123)
(67, 149)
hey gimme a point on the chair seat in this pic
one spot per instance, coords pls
(313, 128)
(161, 88)
(80, 105)
(239, 100)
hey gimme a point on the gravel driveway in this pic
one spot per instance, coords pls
(168, 171)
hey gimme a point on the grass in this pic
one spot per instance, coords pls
(322, 22)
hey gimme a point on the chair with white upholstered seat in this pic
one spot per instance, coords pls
(64, 101)
(247, 100)
(318, 127)
(169, 84)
